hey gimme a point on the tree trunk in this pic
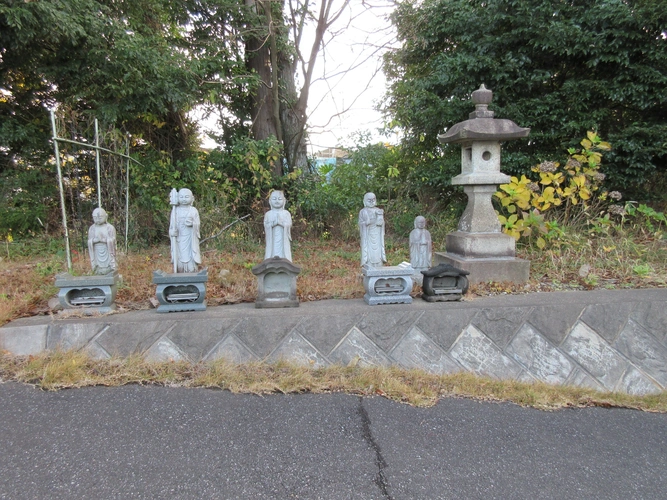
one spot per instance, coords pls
(293, 119)
(258, 57)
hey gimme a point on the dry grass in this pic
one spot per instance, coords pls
(60, 370)
(330, 269)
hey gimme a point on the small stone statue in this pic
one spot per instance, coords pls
(184, 232)
(371, 229)
(278, 228)
(420, 245)
(102, 244)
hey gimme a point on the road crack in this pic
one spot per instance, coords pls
(380, 479)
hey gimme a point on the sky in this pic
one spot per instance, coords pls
(348, 81)
(351, 80)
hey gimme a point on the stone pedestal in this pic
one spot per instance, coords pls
(90, 294)
(444, 283)
(276, 283)
(388, 284)
(178, 292)
(483, 270)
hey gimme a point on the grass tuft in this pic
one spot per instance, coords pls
(61, 370)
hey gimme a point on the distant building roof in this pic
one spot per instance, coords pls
(332, 153)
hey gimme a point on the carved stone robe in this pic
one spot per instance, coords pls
(278, 231)
(102, 248)
(187, 252)
(371, 230)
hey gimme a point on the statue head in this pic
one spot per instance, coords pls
(369, 200)
(99, 216)
(277, 200)
(185, 197)
(420, 222)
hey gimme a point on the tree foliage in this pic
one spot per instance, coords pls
(558, 67)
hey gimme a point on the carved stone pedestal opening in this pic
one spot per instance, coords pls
(388, 284)
(444, 283)
(177, 292)
(90, 294)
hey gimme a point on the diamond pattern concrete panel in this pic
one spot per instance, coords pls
(607, 319)
(445, 324)
(197, 338)
(232, 350)
(297, 349)
(325, 332)
(23, 340)
(636, 383)
(579, 378)
(356, 347)
(123, 339)
(164, 350)
(68, 336)
(526, 377)
(478, 354)
(500, 323)
(541, 359)
(591, 351)
(262, 336)
(651, 315)
(643, 350)
(386, 327)
(555, 321)
(416, 350)
(95, 351)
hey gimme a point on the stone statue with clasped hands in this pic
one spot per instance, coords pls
(102, 244)
(278, 228)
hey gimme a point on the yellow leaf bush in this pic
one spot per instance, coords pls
(564, 193)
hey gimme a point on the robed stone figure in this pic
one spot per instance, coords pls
(278, 228)
(420, 245)
(184, 233)
(102, 244)
(371, 230)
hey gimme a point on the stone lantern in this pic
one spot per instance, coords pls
(479, 246)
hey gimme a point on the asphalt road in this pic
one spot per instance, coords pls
(153, 442)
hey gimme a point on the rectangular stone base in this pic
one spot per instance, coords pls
(480, 245)
(168, 308)
(490, 269)
(450, 297)
(388, 284)
(88, 294)
(276, 283)
(178, 292)
(276, 304)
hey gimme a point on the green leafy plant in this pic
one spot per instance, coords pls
(642, 270)
(646, 216)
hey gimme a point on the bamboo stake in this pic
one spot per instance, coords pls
(127, 191)
(62, 191)
(97, 164)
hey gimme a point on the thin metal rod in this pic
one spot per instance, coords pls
(127, 191)
(86, 145)
(97, 164)
(62, 191)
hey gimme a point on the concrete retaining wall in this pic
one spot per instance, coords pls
(608, 340)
